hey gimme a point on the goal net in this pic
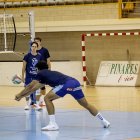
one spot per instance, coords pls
(101, 50)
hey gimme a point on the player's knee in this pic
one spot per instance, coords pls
(43, 88)
(47, 98)
(43, 92)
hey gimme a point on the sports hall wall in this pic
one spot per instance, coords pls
(61, 27)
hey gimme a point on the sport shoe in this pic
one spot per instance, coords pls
(37, 107)
(106, 124)
(26, 107)
(50, 127)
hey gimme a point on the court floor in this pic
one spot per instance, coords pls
(120, 105)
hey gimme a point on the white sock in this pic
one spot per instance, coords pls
(100, 117)
(41, 98)
(52, 118)
(103, 121)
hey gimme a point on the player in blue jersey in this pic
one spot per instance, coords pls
(29, 72)
(61, 85)
(43, 51)
(46, 57)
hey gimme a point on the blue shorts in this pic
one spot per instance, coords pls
(72, 87)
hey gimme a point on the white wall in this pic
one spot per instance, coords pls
(9, 69)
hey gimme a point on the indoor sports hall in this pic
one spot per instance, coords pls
(95, 41)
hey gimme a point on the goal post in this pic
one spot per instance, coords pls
(83, 45)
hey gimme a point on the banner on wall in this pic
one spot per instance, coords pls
(118, 73)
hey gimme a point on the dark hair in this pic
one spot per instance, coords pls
(41, 65)
(34, 43)
(37, 38)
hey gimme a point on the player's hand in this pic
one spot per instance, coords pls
(17, 98)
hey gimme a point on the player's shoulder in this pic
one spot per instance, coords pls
(45, 49)
(39, 54)
(27, 54)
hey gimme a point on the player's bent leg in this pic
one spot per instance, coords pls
(83, 102)
(52, 126)
(48, 101)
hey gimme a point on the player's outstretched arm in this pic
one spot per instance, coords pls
(33, 86)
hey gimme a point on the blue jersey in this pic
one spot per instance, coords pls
(44, 53)
(62, 84)
(52, 78)
(31, 61)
